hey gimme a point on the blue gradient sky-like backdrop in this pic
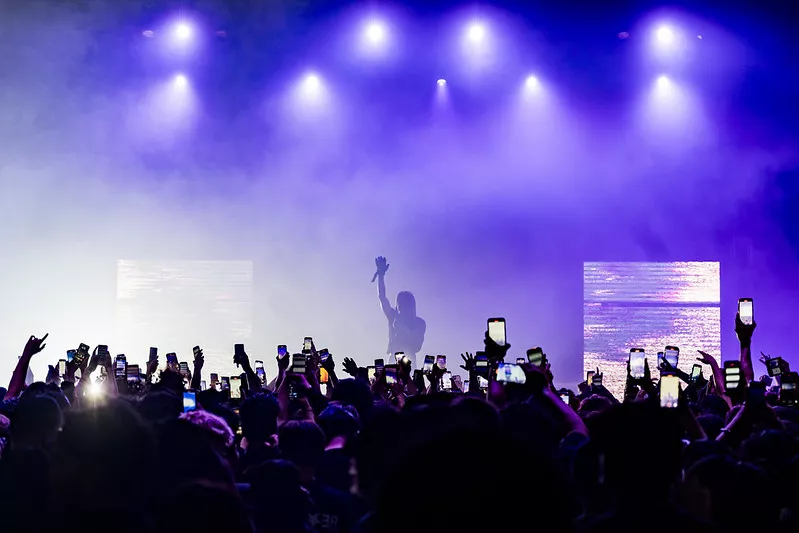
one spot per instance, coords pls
(487, 195)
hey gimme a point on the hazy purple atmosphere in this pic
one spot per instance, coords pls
(487, 194)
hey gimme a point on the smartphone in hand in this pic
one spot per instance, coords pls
(669, 391)
(428, 363)
(637, 363)
(238, 353)
(696, 373)
(672, 355)
(235, 387)
(441, 362)
(497, 331)
(481, 364)
(746, 311)
(733, 379)
(535, 356)
(189, 401)
(391, 374)
(282, 350)
(446, 381)
(789, 388)
(774, 366)
(509, 373)
(260, 372)
(298, 363)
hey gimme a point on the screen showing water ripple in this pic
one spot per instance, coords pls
(648, 305)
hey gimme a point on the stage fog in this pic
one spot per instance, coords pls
(281, 180)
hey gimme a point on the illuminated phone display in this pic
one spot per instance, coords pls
(669, 391)
(672, 355)
(235, 387)
(510, 373)
(497, 330)
(637, 363)
(746, 311)
(189, 401)
(446, 381)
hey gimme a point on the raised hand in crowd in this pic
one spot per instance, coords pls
(350, 367)
(494, 351)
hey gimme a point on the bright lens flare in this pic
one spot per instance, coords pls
(182, 31)
(375, 32)
(665, 35)
(476, 33)
(531, 82)
(311, 83)
(181, 81)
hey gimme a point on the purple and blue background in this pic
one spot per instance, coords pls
(293, 143)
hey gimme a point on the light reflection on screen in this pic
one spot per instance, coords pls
(650, 306)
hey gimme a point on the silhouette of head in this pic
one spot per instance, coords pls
(406, 304)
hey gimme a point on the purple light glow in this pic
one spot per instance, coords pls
(441, 82)
(180, 81)
(183, 31)
(311, 84)
(664, 35)
(531, 82)
(375, 32)
(476, 33)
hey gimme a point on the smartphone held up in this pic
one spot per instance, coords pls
(746, 311)
(669, 391)
(497, 331)
(637, 363)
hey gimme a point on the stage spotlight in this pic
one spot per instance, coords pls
(375, 32)
(180, 81)
(665, 35)
(663, 82)
(531, 82)
(182, 31)
(441, 82)
(311, 83)
(476, 33)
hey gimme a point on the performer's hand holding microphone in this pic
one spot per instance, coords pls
(382, 267)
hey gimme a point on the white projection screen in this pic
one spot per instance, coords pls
(648, 305)
(176, 305)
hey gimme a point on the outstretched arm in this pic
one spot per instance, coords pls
(17, 383)
(745, 332)
(385, 305)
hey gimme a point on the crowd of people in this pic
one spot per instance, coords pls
(390, 448)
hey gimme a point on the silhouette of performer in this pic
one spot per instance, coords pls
(405, 329)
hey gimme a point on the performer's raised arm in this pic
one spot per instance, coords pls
(380, 274)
